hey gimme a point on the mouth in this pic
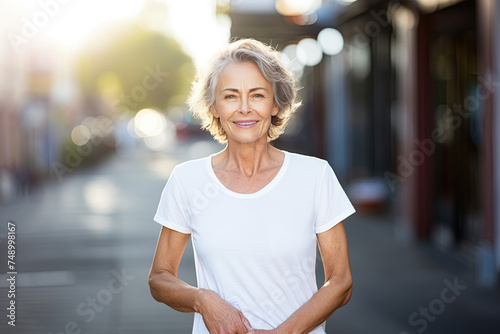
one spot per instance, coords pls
(245, 124)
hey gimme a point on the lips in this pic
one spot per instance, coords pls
(245, 123)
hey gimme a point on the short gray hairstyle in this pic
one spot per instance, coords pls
(268, 60)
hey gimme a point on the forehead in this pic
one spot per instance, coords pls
(246, 73)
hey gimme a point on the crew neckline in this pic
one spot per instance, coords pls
(258, 193)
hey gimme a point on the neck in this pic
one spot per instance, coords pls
(248, 158)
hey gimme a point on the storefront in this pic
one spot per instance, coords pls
(445, 167)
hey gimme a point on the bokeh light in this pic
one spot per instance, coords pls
(309, 52)
(80, 135)
(149, 123)
(331, 41)
(297, 7)
(100, 195)
(156, 130)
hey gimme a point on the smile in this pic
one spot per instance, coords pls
(245, 125)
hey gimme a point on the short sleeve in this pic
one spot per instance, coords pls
(333, 205)
(170, 212)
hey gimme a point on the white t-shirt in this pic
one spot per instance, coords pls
(257, 251)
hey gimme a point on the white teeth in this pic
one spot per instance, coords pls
(246, 123)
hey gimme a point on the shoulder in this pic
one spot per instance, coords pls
(307, 163)
(189, 169)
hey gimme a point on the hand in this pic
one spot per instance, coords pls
(220, 317)
(277, 330)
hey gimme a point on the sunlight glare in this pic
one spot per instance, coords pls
(197, 27)
(75, 20)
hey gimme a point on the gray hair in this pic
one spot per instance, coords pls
(267, 59)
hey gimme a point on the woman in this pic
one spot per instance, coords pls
(255, 213)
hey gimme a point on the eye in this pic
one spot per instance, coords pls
(230, 96)
(258, 95)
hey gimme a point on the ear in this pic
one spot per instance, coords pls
(275, 110)
(214, 111)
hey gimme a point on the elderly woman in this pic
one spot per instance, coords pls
(254, 213)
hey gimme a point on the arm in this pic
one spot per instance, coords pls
(334, 294)
(218, 315)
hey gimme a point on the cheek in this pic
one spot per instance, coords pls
(226, 108)
(265, 107)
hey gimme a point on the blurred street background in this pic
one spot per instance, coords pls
(402, 97)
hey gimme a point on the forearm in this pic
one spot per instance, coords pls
(218, 315)
(334, 294)
(174, 292)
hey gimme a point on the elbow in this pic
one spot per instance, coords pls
(347, 288)
(153, 287)
(341, 290)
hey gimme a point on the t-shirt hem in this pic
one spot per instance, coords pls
(336, 220)
(172, 226)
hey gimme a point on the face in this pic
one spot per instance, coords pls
(244, 103)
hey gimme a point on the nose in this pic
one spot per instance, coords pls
(244, 106)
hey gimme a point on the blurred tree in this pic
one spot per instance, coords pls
(136, 69)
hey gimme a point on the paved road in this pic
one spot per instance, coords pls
(85, 244)
(78, 236)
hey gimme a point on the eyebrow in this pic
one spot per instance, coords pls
(237, 90)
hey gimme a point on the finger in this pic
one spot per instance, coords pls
(247, 324)
(245, 321)
(242, 330)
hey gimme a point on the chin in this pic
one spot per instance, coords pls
(246, 140)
